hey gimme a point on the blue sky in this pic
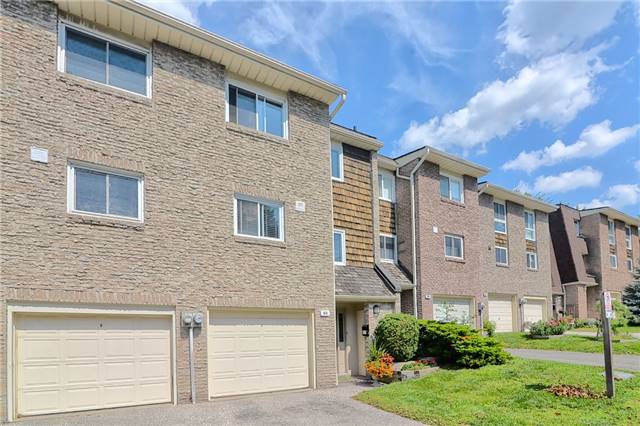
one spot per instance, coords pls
(546, 94)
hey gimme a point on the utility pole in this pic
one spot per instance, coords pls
(606, 315)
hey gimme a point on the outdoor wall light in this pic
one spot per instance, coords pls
(376, 309)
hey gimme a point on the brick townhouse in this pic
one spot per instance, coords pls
(596, 250)
(152, 169)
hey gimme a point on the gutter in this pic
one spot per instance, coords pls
(343, 98)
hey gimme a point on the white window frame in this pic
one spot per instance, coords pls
(495, 219)
(628, 233)
(614, 258)
(535, 257)
(451, 177)
(578, 229)
(258, 91)
(62, 54)
(395, 248)
(629, 264)
(258, 200)
(71, 190)
(382, 174)
(337, 146)
(611, 235)
(461, 246)
(532, 213)
(344, 247)
(506, 250)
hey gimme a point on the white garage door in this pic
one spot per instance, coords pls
(452, 309)
(252, 352)
(72, 363)
(534, 310)
(501, 313)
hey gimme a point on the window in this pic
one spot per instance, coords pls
(387, 185)
(627, 236)
(339, 249)
(577, 223)
(630, 265)
(500, 217)
(100, 59)
(529, 225)
(454, 246)
(103, 192)
(451, 187)
(502, 255)
(532, 260)
(341, 327)
(337, 171)
(613, 261)
(612, 232)
(257, 218)
(257, 111)
(388, 248)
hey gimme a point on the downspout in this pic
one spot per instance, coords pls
(343, 98)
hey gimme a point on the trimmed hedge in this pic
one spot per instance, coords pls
(398, 334)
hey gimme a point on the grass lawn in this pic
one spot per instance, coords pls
(625, 329)
(567, 343)
(510, 394)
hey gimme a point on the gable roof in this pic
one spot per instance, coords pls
(444, 160)
(353, 137)
(144, 23)
(612, 213)
(515, 197)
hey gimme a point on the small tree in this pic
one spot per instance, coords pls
(620, 318)
(631, 296)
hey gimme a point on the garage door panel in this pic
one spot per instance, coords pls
(501, 313)
(534, 310)
(257, 352)
(452, 309)
(99, 362)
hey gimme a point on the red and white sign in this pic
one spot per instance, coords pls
(608, 306)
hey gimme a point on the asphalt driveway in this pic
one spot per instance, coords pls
(309, 407)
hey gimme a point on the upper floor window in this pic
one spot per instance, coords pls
(532, 260)
(502, 256)
(630, 265)
(613, 261)
(627, 236)
(103, 60)
(100, 191)
(529, 225)
(258, 111)
(612, 232)
(339, 247)
(258, 218)
(454, 246)
(451, 187)
(500, 217)
(337, 169)
(388, 248)
(387, 185)
(577, 223)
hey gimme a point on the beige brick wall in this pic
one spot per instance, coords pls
(185, 254)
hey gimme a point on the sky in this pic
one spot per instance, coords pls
(545, 94)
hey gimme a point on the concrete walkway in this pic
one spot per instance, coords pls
(333, 406)
(593, 334)
(622, 362)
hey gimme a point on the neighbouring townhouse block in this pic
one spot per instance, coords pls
(146, 175)
(596, 250)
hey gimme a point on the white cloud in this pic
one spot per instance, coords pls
(550, 91)
(617, 196)
(594, 141)
(585, 177)
(185, 10)
(539, 28)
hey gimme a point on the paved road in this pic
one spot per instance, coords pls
(622, 362)
(310, 407)
(593, 334)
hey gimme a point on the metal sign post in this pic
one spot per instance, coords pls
(607, 314)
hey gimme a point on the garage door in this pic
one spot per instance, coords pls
(252, 352)
(534, 310)
(72, 363)
(452, 310)
(501, 312)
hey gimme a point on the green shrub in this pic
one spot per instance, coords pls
(398, 335)
(477, 351)
(437, 339)
(489, 327)
(539, 328)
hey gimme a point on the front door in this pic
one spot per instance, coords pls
(341, 344)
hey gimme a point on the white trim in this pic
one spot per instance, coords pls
(344, 247)
(628, 237)
(533, 213)
(535, 256)
(62, 57)
(71, 189)
(629, 263)
(263, 92)
(26, 307)
(506, 250)
(395, 248)
(461, 238)
(503, 204)
(263, 201)
(452, 176)
(613, 257)
(341, 164)
(382, 174)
